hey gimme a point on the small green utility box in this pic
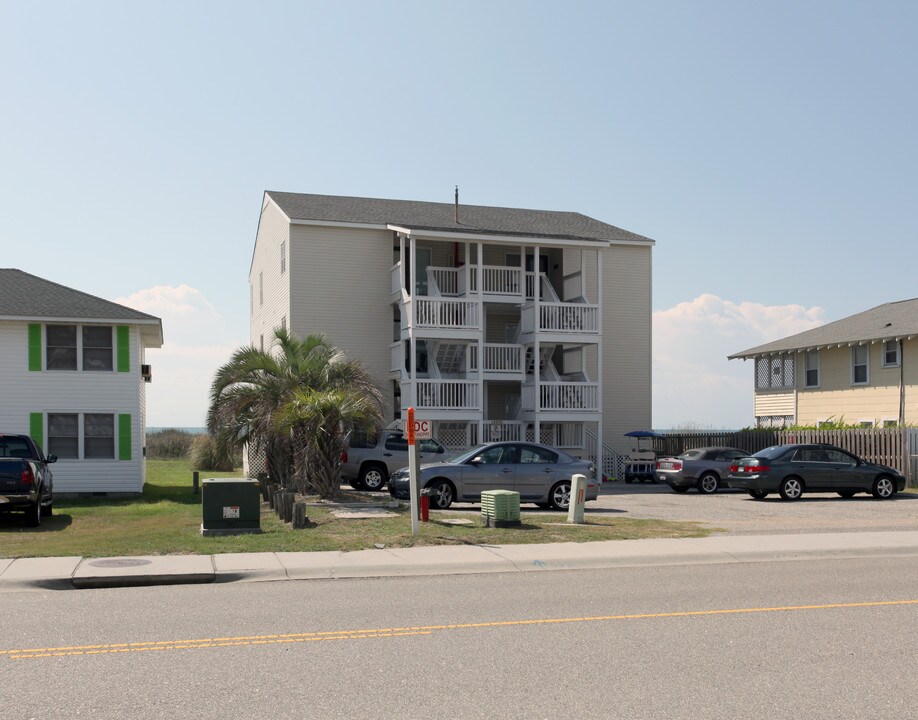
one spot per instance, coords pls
(230, 506)
(500, 508)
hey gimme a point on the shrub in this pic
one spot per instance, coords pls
(168, 444)
(206, 455)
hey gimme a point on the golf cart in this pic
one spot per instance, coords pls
(641, 460)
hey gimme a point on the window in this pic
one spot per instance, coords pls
(774, 372)
(99, 436)
(859, 374)
(92, 348)
(61, 341)
(397, 442)
(64, 435)
(283, 256)
(530, 454)
(97, 347)
(90, 436)
(891, 353)
(811, 361)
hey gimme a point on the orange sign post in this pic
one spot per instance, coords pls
(413, 472)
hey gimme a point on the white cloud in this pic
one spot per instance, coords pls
(694, 385)
(196, 344)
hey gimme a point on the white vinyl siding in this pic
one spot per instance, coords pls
(25, 392)
(270, 286)
(340, 287)
(627, 342)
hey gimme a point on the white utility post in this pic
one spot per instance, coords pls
(578, 499)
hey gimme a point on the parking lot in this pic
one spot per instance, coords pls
(736, 513)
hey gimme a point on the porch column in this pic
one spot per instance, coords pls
(412, 341)
(536, 349)
(601, 442)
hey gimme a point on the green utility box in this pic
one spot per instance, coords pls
(500, 508)
(230, 506)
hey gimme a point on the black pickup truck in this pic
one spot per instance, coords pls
(25, 479)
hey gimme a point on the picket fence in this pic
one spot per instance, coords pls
(895, 447)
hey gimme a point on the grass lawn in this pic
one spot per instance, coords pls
(166, 519)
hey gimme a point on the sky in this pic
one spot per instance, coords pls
(768, 148)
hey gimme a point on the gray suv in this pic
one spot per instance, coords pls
(369, 461)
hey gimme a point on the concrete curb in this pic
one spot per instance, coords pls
(76, 572)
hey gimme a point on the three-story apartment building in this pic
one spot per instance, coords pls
(494, 323)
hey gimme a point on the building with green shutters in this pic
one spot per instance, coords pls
(73, 374)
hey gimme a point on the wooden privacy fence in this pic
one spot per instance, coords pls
(895, 447)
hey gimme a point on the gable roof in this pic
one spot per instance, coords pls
(27, 297)
(892, 321)
(441, 217)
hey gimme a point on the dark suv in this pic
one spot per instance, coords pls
(791, 470)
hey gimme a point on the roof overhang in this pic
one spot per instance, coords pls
(460, 236)
(821, 346)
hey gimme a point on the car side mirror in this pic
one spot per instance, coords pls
(51, 459)
(441, 450)
(477, 460)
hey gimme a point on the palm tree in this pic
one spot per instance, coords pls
(320, 420)
(249, 393)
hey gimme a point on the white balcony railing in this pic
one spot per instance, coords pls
(447, 394)
(498, 358)
(447, 313)
(562, 397)
(559, 317)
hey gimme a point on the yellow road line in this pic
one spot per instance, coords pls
(242, 640)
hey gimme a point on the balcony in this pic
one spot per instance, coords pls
(500, 360)
(562, 319)
(446, 394)
(561, 397)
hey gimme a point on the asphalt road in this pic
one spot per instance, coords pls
(817, 639)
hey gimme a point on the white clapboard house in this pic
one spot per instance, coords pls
(73, 375)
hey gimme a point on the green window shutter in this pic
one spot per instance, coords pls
(34, 346)
(124, 437)
(37, 428)
(124, 348)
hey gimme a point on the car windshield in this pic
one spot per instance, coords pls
(461, 457)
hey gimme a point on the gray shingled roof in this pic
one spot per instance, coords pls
(27, 297)
(473, 219)
(891, 321)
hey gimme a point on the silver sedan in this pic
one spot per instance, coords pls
(539, 473)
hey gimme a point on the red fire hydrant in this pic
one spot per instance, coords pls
(425, 507)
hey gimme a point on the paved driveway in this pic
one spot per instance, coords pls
(738, 514)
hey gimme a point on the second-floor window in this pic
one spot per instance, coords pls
(774, 372)
(74, 347)
(859, 374)
(891, 353)
(812, 368)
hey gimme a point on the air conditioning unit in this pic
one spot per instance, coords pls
(146, 372)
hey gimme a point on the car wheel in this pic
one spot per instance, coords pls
(373, 477)
(628, 479)
(791, 488)
(846, 493)
(884, 487)
(708, 483)
(47, 510)
(33, 514)
(758, 494)
(442, 496)
(679, 488)
(560, 495)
